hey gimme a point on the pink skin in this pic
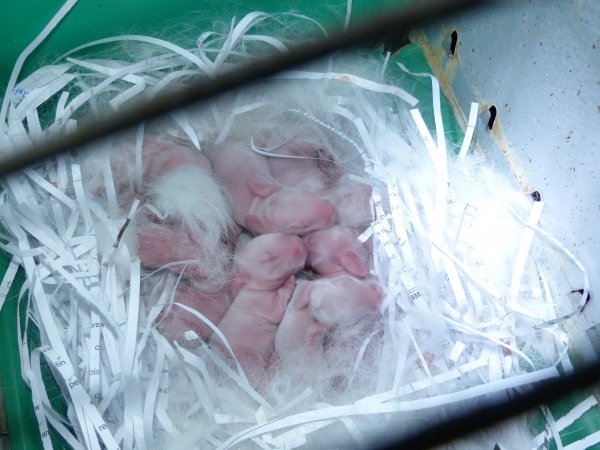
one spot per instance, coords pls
(160, 157)
(343, 300)
(336, 251)
(264, 281)
(261, 204)
(176, 321)
(266, 261)
(352, 202)
(161, 244)
(310, 172)
(299, 338)
(316, 307)
(319, 174)
(291, 211)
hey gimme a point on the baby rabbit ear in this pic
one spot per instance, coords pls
(262, 189)
(255, 223)
(352, 263)
(286, 291)
(301, 296)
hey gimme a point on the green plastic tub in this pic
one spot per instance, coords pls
(90, 20)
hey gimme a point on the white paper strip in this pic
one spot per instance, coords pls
(586, 443)
(410, 405)
(62, 12)
(570, 418)
(517, 274)
(80, 397)
(7, 280)
(353, 79)
(469, 131)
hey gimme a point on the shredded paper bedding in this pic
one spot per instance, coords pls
(307, 263)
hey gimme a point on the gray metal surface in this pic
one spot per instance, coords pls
(538, 62)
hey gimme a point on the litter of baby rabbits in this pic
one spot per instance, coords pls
(307, 264)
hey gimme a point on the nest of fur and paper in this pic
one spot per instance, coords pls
(296, 264)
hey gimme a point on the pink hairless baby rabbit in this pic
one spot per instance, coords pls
(316, 307)
(178, 181)
(303, 166)
(161, 156)
(352, 200)
(211, 303)
(306, 167)
(310, 168)
(263, 282)
(192, 216)
(173, 246)
(260, 203)
(336, 251)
